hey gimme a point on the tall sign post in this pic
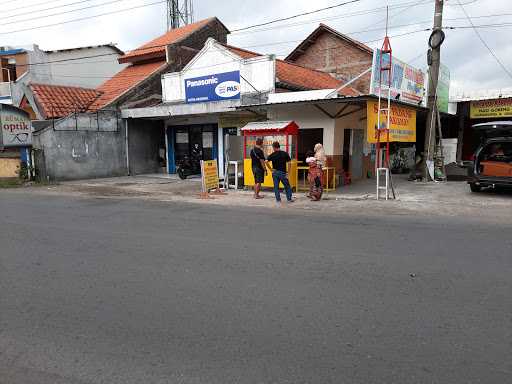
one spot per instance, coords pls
(434, 62)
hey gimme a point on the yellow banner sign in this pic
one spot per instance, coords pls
(402, 123)
(209, 175)
(483, 109)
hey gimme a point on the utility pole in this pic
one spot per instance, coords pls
(434, 61)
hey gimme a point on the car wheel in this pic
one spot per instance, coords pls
(475, 188)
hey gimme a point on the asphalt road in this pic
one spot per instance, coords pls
(127, 291)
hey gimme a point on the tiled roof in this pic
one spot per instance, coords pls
(156, 47)
(299, 76)
(56, 101)
(124, 81)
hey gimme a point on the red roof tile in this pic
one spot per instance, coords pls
(56, 101)
(299, 76)
(156, 47)
(123, 81)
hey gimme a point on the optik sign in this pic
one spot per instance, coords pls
(221, 86)
(16, 127)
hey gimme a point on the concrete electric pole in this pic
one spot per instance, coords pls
(434, 61)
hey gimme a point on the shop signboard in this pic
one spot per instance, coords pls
(220, 86)
(209, 175)
(497, 108)
(443, 88)
(16, 127)
(402, 123)
(407, 83)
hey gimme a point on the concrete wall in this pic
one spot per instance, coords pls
(81, 154)
(9, 167)
(307, 116)
(145, 138)
(85, 72)
(39, 73)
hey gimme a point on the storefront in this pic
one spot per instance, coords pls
(345, 127)
(475, 109)
(199, 105)
(15, 142)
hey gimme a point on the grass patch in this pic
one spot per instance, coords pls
(10, 183)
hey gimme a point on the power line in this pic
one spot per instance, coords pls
(415, 4)
(84, 18)
(483, 41)
(64, 12)
(34, 5)
(343, 16)
(297, 15)
(164, 45)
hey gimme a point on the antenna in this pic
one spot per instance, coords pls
(179, 13)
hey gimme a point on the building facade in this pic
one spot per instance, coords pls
(328, 50)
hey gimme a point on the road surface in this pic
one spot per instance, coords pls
(132, 291)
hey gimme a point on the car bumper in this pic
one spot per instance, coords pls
(487, 181)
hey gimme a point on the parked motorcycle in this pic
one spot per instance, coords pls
(188, 166)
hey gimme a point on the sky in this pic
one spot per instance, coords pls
(471, 64)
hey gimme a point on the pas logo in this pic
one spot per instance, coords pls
(227, 89)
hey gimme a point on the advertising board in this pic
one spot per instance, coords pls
(216, 87)
(16, 127)
(402, 123)
(407, 83)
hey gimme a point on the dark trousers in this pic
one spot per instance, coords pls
(278, 176)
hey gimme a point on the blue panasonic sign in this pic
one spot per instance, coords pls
(221, 86)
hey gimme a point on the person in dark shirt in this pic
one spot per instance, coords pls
(280, 160)
(259, 169)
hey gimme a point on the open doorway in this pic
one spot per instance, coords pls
(347, 141)
(308, 138)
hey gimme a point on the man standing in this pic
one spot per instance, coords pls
(258, 167)
(280, 167)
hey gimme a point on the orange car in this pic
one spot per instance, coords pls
(492, 165)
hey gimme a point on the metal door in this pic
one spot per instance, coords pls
(357, 153)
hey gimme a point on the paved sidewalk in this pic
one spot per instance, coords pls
(437, 199)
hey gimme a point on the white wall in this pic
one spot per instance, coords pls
(213, 59)
(306, 117)
(356, 120)
(85, 71)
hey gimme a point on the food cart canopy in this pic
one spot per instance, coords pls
(262, 127)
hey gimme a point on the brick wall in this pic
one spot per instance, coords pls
(340, 58)
(197, 39)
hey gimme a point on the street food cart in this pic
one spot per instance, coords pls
(285, 132)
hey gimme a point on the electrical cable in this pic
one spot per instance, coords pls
(484, 43)
(63, 12)
(343, 16)
(39, 10)
(297, 15)
(85, 18)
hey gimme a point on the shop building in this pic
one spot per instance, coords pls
(211, 98)
(15, 142)
(475, 107)
(32, 65)
(83, 135)
(345, 126)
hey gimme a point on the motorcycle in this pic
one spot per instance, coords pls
(188, 166)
